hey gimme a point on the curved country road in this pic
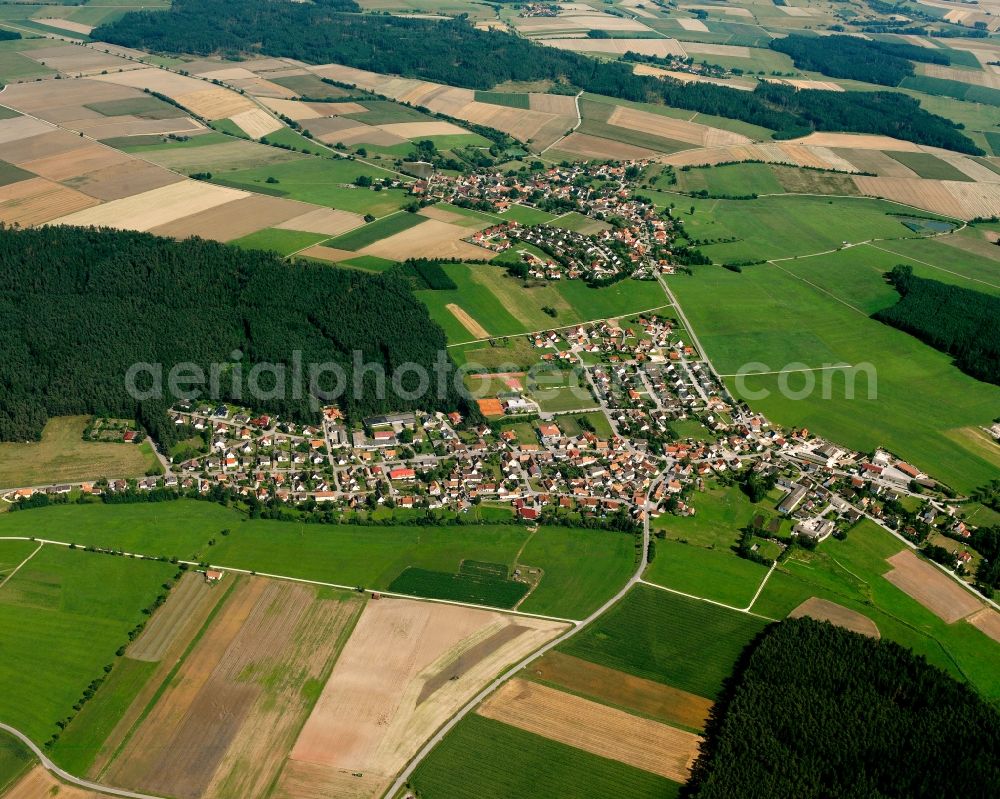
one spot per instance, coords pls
(67, 777)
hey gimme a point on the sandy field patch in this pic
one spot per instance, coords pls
(65, 24)
(430, 239)
(76, 162)
(157, 80)
(228, 718)
(595, 728)
(466, 320)
(622, 690)
(39, 784)
(931, 588)
(594, 147)
(123, 180)
(256, 122)
(189, 601)
(824, 610)
(728, 50)
(77, 60)
(293, 109)
(416, 130)
(860, 141)
(331, 254)
(153, 208)
(986, 620)
(376, 711)
(328, 221)
(17, 128)
(561, 104)
(233, 219)
(215, 103)
(656, 47)
(670, 128)
(693, 25)
(36, 201)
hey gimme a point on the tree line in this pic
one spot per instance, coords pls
(816, 711)
(884, 63)
(959, 321)
(81, 306)
(456, 53)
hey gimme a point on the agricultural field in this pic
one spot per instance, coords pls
(224, 721)
(375, 231)
(716, 574)
(474, 582)
(15, 760)
(671, 639)
(367, 722)
(813, 312)
(486, 759)
(79, 604)
(854, 574)
(283, 242)
(62, 456)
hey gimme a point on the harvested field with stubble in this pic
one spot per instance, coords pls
(582, 145)
(36, 201)
(623, 690)
(673, 129)
(937, 592)
(987, 621)
(229, 716)
(407, 668)
(824, 610)
(595, 728)
(429, 239)
(256, 122)
(956, 199)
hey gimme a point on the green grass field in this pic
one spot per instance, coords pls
(510, 99)
(770, 316)
(929, 166)
(17, 66)
(294, 139)
(144, 107)
(323, 181)
(12, 553)
(785, 226)
(15, 760)
(720, 513)
(375, 231)
(668, 638)
(486, 759)
(78, 608)
(526, 215)
(62, 456)
(717, 574)
(283, 242)
(465, 585)
(730, 179)
(582, 568)
(850, 574)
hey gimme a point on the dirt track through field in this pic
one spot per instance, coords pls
(595, 728)
(470, 324)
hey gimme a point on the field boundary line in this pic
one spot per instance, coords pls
(21, 565)
(712, 601)
(65, 776)
(939, 268)
(793, 371)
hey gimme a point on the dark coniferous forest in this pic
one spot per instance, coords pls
(456, 53)
(815, 711)
(956, 320)
(80, 306)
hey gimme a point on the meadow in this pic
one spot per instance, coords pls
(786, 226)
(375, 231)
(729, 179)
(720, 513)
(283, 242)
(716, 574)
(371, 556)
(15, 759)
(651, 633)
(813, 312)
(78, 607)
(62, 456)
(486, 759)
(850, 573)
(465, 585)
(321, 181)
